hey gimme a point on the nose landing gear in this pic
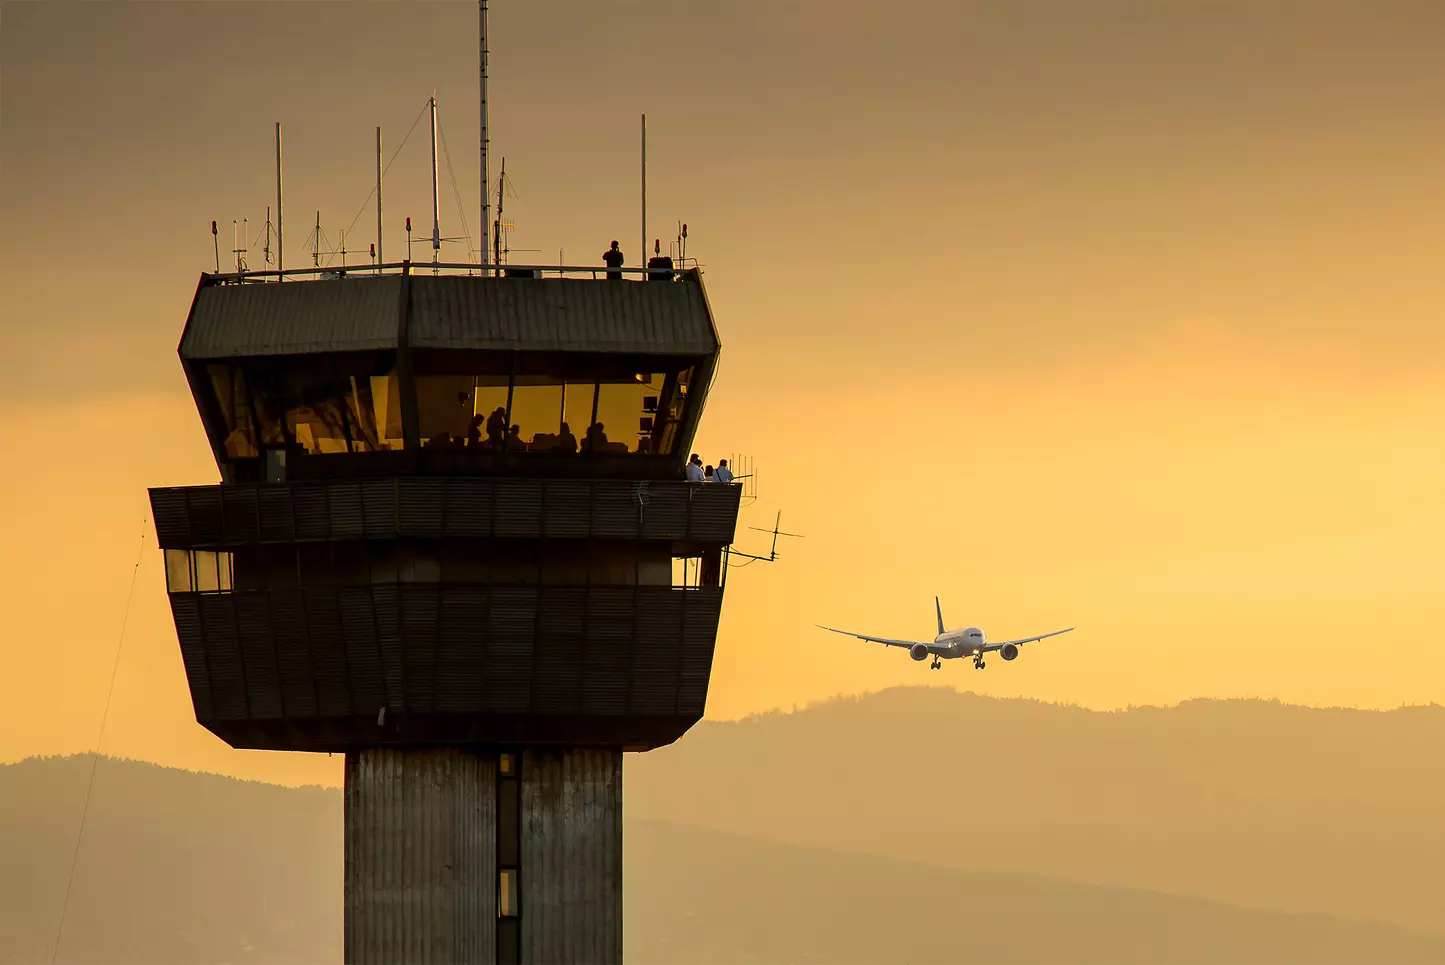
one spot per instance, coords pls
(935, 665)
(978, 663)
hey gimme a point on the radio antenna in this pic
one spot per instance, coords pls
(378, 197)
(280, 262)
(486, 186)
(772, 553)
(436, 211)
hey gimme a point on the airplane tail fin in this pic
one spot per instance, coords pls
(939, 607)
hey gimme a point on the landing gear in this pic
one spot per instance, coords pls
(977, 663)
(935, 665)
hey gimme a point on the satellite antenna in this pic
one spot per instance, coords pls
(773, 552)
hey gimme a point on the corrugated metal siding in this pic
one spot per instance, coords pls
(571, 868)
(293, 318)
(560, 314)
(389, 508)
(421, 870)
(460, 649)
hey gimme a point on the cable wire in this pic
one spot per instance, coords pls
(456, 191)
(372, 193)
(95, 759)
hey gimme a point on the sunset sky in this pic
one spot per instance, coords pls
(1122, 315)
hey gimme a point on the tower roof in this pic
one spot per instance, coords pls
(363, 313)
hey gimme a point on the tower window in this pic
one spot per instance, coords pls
(507, 893)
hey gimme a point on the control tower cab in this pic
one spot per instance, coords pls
(453, 540)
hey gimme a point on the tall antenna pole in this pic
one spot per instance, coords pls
(501, 196)
(379, 259)
(436, 211)
(643, 249)
(280, 264)
(486, 185)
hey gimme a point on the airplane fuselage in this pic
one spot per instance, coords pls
(953, 644)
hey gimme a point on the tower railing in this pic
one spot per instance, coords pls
(594, 272)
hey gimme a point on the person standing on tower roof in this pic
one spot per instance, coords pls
(613, 259)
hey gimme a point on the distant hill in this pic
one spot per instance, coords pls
(192, 868)
(1252, 803)
(708, 899)
(175, 867)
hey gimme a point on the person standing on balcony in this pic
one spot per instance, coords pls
(694, 469)
(613, 259)
(722, 473)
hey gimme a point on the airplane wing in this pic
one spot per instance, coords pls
(883, 640)
(1043, 636)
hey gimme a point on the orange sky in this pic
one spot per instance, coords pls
(1128, 320)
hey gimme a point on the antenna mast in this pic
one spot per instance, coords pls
(379, 260)
(501, 196)
(643, 250)
(436, 211)
(280, 265)
(486, 186)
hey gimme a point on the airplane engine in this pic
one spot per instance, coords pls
(1009, 651)
(918, 651)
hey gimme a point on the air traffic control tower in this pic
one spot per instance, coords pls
(453, 541)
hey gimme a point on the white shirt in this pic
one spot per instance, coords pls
(694, 472)
(722, 474)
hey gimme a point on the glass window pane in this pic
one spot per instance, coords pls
(319, 402)
(444, 409)
(320, 426)
(536, 415)
(619, 415)
(577, 400)
(386, 397)
(226, 564)
(229, 385)
(178, 572)
(507, 894)
(207, 577)
(367, 413)
(488, 426)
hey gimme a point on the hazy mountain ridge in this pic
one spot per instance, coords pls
(1249, 802)
(184, 867)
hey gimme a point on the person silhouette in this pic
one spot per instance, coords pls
(613, 259)
(566, 441)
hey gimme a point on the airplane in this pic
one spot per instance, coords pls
(951, 644)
